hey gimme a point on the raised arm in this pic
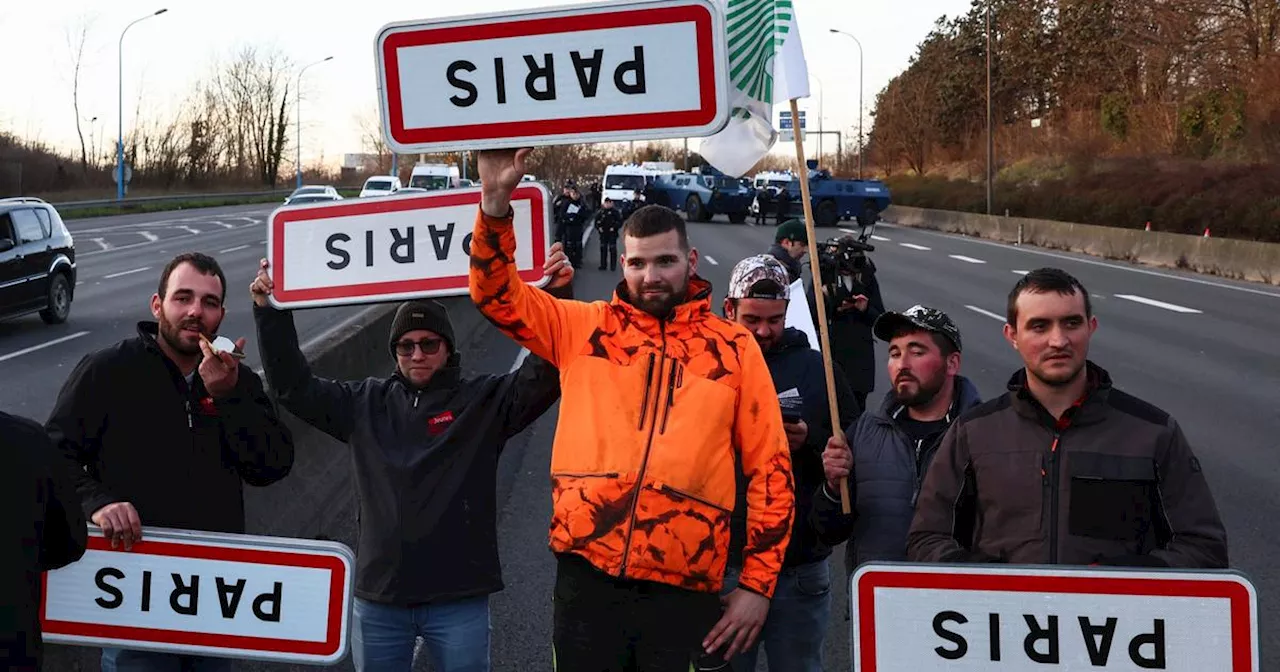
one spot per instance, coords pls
(548, 327)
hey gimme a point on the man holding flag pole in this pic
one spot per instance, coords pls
(767, 66)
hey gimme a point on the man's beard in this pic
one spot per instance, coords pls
(924, 392)
(660, 306)
(172, 334)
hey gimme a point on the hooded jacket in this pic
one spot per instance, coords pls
(1113, 482)
(425, 462)
(796, 368)
(889, 468)
(142, 435)
(655, 413)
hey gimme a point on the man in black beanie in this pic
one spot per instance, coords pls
(425, 445)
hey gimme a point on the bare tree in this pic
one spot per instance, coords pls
(253, 90)
(77, 36)
(372, 141)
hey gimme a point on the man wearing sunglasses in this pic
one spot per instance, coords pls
(425, 444)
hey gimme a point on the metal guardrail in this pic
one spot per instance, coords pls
(111, 202)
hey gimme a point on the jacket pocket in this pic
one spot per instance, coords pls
(679, 534)
(1111, 496)
(590, 510)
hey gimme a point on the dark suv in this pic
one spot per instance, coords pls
(37, 261)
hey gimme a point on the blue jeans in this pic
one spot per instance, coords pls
(455, 635)
(797, 622)
(129, 660)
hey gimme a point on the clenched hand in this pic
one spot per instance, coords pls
(120, 524)
(500, 173)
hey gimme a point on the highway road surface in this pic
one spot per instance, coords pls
(1202, 348)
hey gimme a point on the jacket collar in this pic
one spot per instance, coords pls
(696, 306)
(1089, 409)
(148, 332)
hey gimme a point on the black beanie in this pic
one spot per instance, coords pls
(429, 315)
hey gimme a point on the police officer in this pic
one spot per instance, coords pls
(573, 214)
(608, 222)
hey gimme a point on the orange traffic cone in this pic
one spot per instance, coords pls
(1206, 232)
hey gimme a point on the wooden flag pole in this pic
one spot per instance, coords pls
(816, 266)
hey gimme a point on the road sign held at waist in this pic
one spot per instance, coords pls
(224, 595)
(925, 617)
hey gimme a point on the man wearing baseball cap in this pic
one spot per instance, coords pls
(424, 445)
(889, 449)
(795, 623)
(790, 244)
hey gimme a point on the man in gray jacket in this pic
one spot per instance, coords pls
(893, 446)
(425, 444)
(1063, 468)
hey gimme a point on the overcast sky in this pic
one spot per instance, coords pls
(164, 55)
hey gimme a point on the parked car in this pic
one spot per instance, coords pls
(314, 190)
(37, 261)
(380, 185)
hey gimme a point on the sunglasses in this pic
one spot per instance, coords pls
(430, 346)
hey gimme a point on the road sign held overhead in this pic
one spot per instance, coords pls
(922, 618)
(620, 71)
(393, 248)
(222, 595)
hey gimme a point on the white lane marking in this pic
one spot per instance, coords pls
(1021, 272)
(116, 275)
(587, 234)
(915, 247)
(195, 232)
(988, 313)
(524, 354)
(711, 260)
(262, 242)
(42, 346)
(225, 225)
(1092, 262)
(151, 237)
(970, 260)
(237, 248)
(102, 243)
(79, 282)
(1158, 304)
(880, 238)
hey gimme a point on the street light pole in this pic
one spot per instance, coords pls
(860, 71)
(297, 92)
(120, 105)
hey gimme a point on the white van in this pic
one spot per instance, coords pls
(380, 185)
(434, 176)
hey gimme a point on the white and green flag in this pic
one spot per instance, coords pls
(766, 66)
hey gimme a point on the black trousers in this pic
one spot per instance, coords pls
(609, 254)
(604, 624)
(573, 245)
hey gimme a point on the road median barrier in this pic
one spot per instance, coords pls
(1228, 258)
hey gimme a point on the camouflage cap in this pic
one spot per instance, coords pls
(923, 317)
(745, 282)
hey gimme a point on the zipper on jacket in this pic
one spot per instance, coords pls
(648, 385)
(644, 462)
(1053, 497)
(190, 420)
(671, 396)
(416, 395)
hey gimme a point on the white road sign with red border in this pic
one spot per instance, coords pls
(393, 248)
(961, 618)
(633, 70)
(225, 595)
